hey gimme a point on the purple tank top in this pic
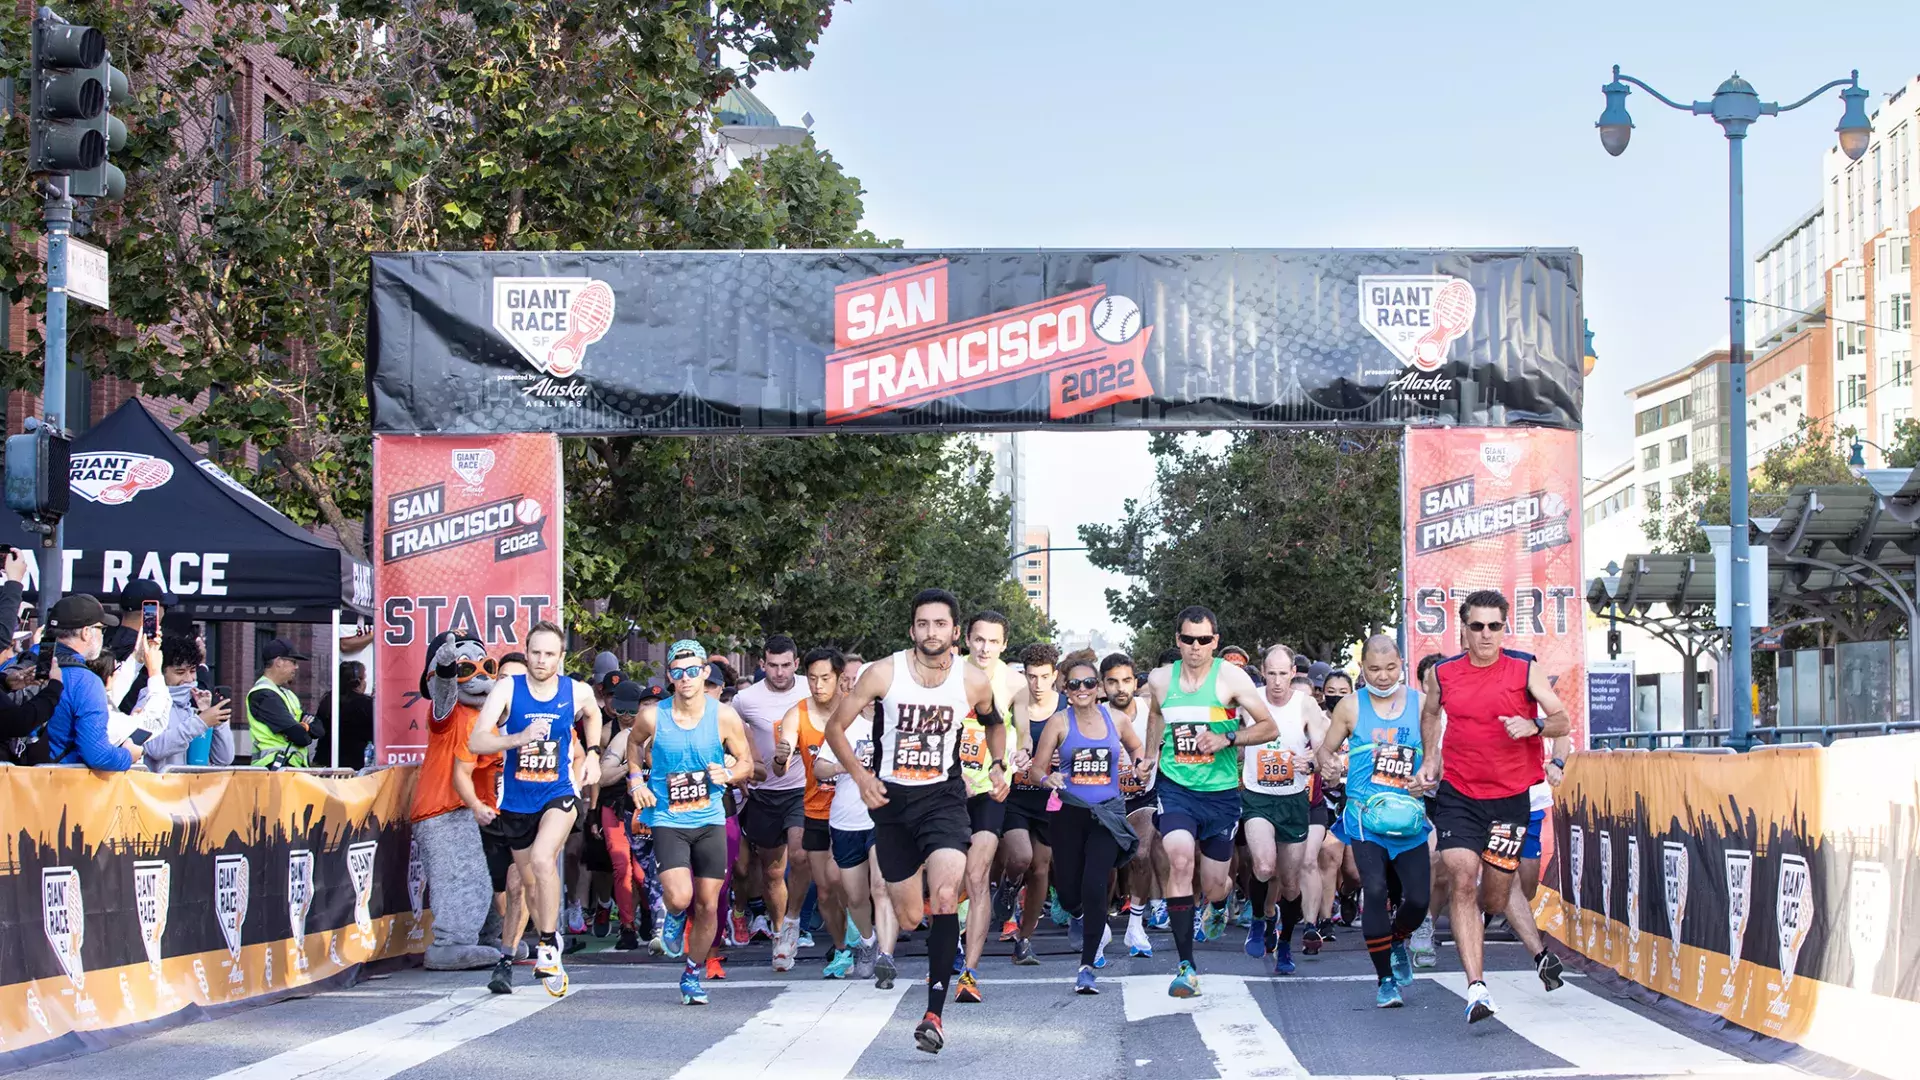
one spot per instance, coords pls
(1092, 766)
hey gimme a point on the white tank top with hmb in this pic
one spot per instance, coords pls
(917, 733)
(1280, 767)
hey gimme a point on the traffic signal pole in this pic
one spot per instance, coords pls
(58, 216)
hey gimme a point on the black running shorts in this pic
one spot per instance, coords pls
(1496, 828)
(918, 821)
(769, 814)
(816, 836)
(702, 850)
(517, 830)
(986, 814)
(1027, 809)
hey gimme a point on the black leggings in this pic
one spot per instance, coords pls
(1415, 873)
(1084, 855)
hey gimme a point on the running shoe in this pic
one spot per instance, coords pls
(883, 971)
(1283, 958)
(1310, 941)
(1100, 954)
(1083, 982)
(759, 929)
(629, 940)
(602, 920)
(1003, 903)
(928, 1036)
(1010, 930)
(1199, 925)
(1186, 982)
(502, 981)
(966, 989)
(675, 933)
(1550, 970)
(1242, 913)
(1387, 994)
(716, 968)
(1273, 937)
(691, 992)
(1479, 1003)
(1257, 938)
(839, 965)
(657, 945)
(1216, 922)
(1054, 911)
(1138, 944)
(1326, 931)
(785, 945)
(576, 920)
(1023, 953)
(739, 931)
(1349, 908)
(863, 956)
(546, 968)
(1402, 961)
(1157, 915)
(805, 940)
(1424, 954)
(1076, 933)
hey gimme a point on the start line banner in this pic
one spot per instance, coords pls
(129, 900)
(1498, 509)
(684, 342)
(1776, 890)
(468, 537)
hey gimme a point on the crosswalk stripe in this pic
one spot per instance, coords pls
(1595, 1035)
(811, 1031)
(392, 1045)
(1244, 1044)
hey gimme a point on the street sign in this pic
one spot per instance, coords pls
(87, 274)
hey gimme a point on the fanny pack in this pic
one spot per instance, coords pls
(1393, 814)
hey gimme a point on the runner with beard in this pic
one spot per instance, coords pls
(1500, 710)
(1274, 810)
(681, 757)
(1029, 857)
(1384, 822)
(804, 730)
(986, 809)
(1199, 735)
(774, 819)
(916, 793)
(1124, 700)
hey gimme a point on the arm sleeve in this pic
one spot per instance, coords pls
(183, 725)
(269, 709)
(88, 700)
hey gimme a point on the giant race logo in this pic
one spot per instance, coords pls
(895, 347)
(113, 477)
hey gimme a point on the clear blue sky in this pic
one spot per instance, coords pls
(1244, 124)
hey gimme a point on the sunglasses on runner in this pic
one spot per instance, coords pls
(1081, 684)
(684, 672)
(1197, 639)
(465, 670)
(1486, 627)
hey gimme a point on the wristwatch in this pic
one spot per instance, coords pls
(1539, 725)
(998, 763)
(1560, 763)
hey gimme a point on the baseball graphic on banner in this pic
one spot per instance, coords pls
(1115, 320)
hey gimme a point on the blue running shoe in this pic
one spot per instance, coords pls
(1402, 960)
(1157, 915)
(692, 992)
(1215, 920)
(1106, 938)
(1199, 925)
(1283, 958)
(1054, 911)
(1479, 1003)
(1186, 982)
(839, 965)
(1083, 983)
(1387, 996)
(1076, 933)
(675, 934)
(1257, 938)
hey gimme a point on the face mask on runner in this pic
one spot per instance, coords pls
(1379, 693)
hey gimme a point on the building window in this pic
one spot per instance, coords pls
(1033, 594)
(1851, 391)
(1033, 579)
(1650, 457)
(1033, 563)
(1652, 489)
(1899, 311)
(1677, 449)
(1902, 367)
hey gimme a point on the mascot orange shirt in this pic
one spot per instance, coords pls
(455, 703)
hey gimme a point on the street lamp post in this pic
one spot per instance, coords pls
(1735, 106)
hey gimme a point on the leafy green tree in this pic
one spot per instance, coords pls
(1814, 455)
(1291, 537)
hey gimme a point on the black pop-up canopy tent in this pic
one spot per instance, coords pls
(146, 504)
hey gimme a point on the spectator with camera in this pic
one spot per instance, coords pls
(194, 714)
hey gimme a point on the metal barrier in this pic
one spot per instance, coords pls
(1711, 738)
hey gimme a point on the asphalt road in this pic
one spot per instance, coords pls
(623, 1018)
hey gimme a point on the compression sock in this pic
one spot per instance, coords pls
(1180, 914)
(943, 938)
(1380, 951)
(1257, 892)
(1290, 915)
(756, 906)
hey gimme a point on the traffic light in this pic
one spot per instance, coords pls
(36, 472)
(72, 129)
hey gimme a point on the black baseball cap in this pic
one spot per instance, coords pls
(278, 649)
(79, 611)
(628, 696)
(141, 590)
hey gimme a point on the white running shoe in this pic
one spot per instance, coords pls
(1479, 1003)
(786, 944)
(1421, 945)
(1138, 944)
(758, 928)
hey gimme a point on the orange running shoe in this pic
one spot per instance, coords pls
(928, 1036)
(714, 968)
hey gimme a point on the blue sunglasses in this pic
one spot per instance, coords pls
(684, 672)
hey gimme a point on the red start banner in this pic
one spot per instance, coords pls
(1499, 508)
(896, 349)
(469, 532)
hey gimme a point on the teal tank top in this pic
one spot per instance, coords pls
(1382, 755)
(684, 794)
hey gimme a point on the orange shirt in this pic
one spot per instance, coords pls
(433, 792)
(807, 743)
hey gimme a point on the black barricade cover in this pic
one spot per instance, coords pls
(887, 340)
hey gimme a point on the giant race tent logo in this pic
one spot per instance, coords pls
(113, 477)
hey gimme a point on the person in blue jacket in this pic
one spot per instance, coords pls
(77, 731)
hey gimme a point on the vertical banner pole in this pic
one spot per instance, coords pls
(333, 722)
